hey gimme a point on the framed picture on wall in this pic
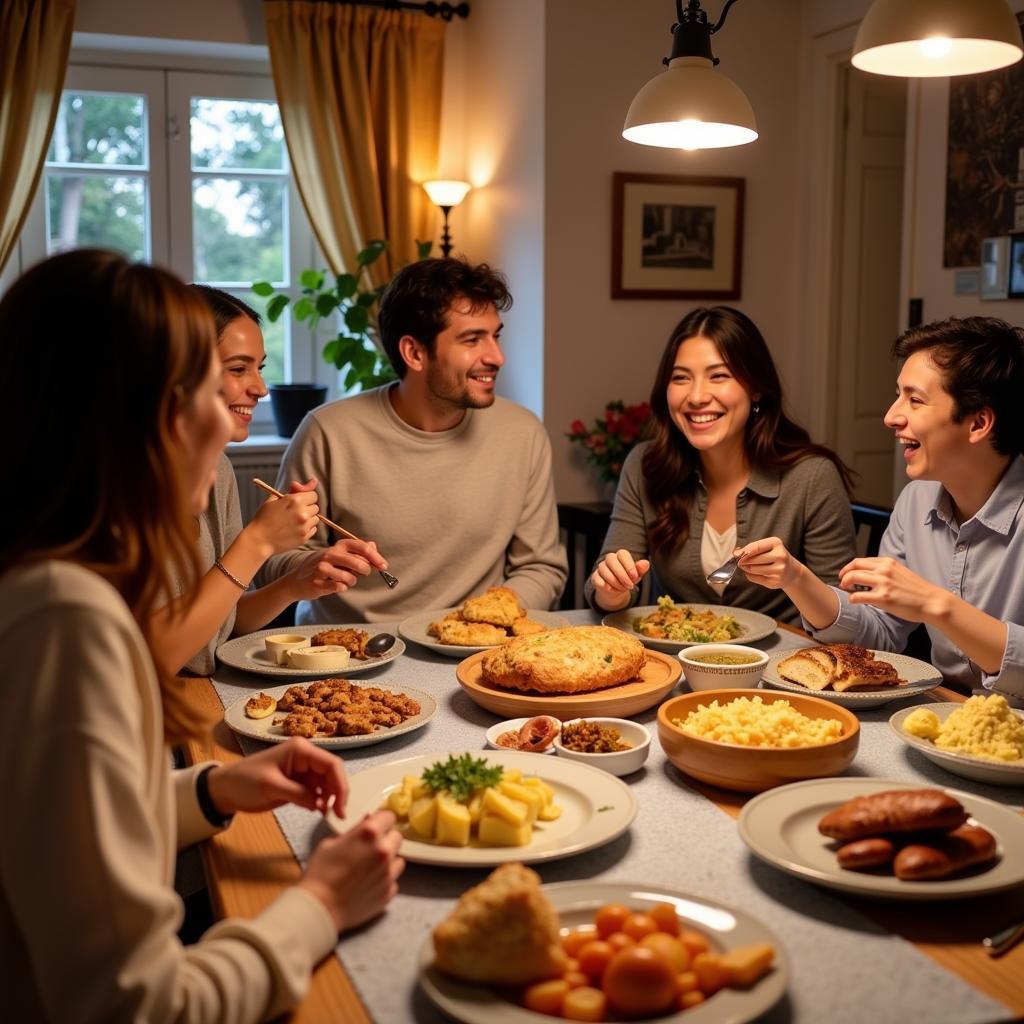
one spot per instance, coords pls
(1016, 282)
(676, 236)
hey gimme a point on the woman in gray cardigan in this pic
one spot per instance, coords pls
(725, 466)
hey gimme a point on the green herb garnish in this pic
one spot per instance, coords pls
(461, 775)
(608, 658)
(606, 807)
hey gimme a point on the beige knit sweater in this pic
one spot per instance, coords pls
(92, 817)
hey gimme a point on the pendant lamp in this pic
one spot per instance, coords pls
(690, 105)
(936, 38)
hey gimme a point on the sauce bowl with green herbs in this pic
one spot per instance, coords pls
(722, 666)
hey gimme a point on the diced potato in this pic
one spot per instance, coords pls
(550, 813)
(423, 816)
(515, 812)
(533, 800)
(476, 806)
(546, 997)
(452, 828)
(539, 784)
(511, 775)
(414, 786)
(743, 966)
(399, 801)
(499, 832)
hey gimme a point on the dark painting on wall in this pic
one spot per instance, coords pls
(985, 162)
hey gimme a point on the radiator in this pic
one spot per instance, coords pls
(259, 460)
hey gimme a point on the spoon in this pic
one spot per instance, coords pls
(379, 644)
(724, 572)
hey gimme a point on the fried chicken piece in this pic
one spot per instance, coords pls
(293, 697)
(353, 725)
(402, 703)
(497, 605)
(524, 627)
(353, 640)
(503, 931)
(470, 634)
(307, 725)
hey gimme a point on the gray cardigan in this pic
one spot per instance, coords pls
(806, 506)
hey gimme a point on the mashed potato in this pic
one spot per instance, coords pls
(753, 723)
(983, 727)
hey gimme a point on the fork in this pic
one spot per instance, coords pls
(724, 572)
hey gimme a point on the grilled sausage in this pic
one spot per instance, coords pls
(897, 810)
(866, 853)
(963, 848)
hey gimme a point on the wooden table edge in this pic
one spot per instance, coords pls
(248, 865)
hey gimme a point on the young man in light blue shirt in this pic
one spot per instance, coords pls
(953, 555)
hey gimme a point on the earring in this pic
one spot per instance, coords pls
(756, 407)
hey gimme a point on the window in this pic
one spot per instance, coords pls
(186, 169)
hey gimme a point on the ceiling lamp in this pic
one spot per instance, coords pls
(691, 105)
(936, 38)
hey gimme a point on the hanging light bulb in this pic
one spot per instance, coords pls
(691, 105)
(936, 38)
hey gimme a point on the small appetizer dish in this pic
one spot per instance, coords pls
(615, 745)
(536, 735)
(722, 666)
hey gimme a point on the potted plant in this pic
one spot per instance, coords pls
(355, 348)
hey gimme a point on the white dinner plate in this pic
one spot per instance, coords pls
(755, 625)
(596, 808)
(414, 628)
(980, 769)
(249, 653)
(265, 730)
(919, 675)
(781, 827)
(725, 927)
(513, 725)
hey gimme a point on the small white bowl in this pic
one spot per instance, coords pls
(702, 676)
(514, 725)
(619, 762)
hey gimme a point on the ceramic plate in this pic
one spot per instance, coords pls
(781, 827)
(659, 674)
(414, 628)
(981, 769)
(249, 653)
(919, 675)
(596, 808)
(265, 730)
(726, 928)
(755, 625)
(512, 725)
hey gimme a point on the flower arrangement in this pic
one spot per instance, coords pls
(612, 437)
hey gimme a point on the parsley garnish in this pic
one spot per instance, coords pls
(606, 807)
(461, 775)
(608, 658)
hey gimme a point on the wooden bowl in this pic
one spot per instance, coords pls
(755, 769)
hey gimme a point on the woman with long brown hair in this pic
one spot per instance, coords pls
(725, 466)
(92, 812)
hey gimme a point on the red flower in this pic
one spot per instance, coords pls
(577, 428)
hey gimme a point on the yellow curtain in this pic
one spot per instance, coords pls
(360, 96)
(35, 37)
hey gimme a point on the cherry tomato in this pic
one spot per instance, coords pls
(546, 997)
(585, 1004)
(620, 940)
(572, 941)
(636, 926)
(669, 948)
(694, 942)
(638, 981)
(610, 919)
(594, 957)
(665, 915)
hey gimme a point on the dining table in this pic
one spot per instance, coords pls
(852, 958)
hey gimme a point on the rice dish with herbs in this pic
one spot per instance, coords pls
(683, 623)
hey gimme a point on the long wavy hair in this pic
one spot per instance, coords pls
(102, 356)
(771, 439)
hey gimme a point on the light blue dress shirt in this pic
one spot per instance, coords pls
(981, 561)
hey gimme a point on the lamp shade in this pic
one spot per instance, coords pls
(690, 105)
(445, 192)
(936, 38)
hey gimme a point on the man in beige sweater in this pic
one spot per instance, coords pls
(453, 482)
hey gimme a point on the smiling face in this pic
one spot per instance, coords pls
(706, 401)
(462, 370)
(242, 356)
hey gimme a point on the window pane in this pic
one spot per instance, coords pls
(236, 135)
(275, 337)
(96, 210)
(96, 128)
(238, 231)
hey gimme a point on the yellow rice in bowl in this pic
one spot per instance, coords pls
(750, 722)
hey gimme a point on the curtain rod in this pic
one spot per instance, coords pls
(446, 10)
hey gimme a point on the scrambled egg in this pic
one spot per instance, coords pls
(982, 727)
(752, 723)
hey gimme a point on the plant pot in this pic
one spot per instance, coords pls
(290, 402)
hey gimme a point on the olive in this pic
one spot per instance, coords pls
(379, 644)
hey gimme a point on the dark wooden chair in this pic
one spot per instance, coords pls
(585, 525)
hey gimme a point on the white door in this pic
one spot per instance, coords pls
(867, 320)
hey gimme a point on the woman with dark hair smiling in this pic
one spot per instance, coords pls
(725, 465)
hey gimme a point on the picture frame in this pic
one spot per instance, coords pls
(1016, 268)
(676, 236)
(995, 267)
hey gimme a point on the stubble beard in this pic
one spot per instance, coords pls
(452, 393)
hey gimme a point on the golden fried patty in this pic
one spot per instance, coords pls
(575, 659)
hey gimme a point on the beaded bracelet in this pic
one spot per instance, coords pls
(230, 575)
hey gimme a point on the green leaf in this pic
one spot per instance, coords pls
(371, 253)
(357, 319)
(423, 249)
(346, 285)
(326, 304)
(263, 288)
(366, 299)
(330, 352)
(311, 279)
(275, 307)
(303, 309)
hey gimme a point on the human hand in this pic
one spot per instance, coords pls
(335, 569)
(889, 585)
(295, 771)
(768, 563)
(282, 524)
(355, 875)
(618, 573)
